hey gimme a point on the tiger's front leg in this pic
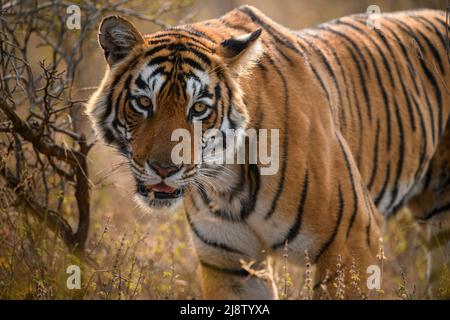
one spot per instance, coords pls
(223, 256)
(343, 270)
(233, 284)
(233, 263)
(343, 260)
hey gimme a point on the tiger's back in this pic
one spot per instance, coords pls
(388, 87)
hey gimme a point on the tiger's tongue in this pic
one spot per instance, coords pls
(162, 187)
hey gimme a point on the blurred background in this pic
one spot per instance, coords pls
(130, 254)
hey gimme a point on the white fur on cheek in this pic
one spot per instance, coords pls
(97, 106)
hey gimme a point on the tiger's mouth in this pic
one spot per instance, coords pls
(159, 191)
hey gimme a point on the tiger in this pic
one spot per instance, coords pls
(362, 113)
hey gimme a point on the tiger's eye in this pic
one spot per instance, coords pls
(144, 102)
(199, 108)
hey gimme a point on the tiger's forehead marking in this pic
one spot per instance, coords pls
(148, 82)
(197, 90)
(153, 79)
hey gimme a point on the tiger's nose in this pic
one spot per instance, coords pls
(164, 169)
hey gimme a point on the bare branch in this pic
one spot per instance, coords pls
(47, 148)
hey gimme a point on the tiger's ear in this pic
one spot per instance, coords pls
(117, 37)
(241, 52)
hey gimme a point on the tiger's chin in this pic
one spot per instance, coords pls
(158, 196)
(153, 204)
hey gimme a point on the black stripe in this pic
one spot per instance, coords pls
(159, 41)
(194, 64)
(198, 54)
(447, 29)
(175, 32)
(384, 93)
(320, 80)
(433, 50)
(406, 29)
(230, 105)
(113, 87)
(399, 76)
(141, 84)
(328, 279)
(204, 195)
(370, 213)
(177, 48)
(238, 187)
(431, 113)
(380, 196)
(217, 97)
(430, 26)
(159, 60)
(443, 185)
(428, 175)
(191, 197)
(438, 94)
(404, 51)
(284, 55)
(275, 34)
(362, 79)
(280, 187)
(253, 179)
(222, 214)
(350, 40)
(375, 157)
(127, 89)
(330, 71)
(234, 272)
(438, 211)
(260, 112)
(157, 71)
(109, 136)
(212, 243)
(327, 244)
(295, 228)
(380, 51)
(197, 33)
(360, 123)
(424, 144)
(427, 72)
(162, 43)
(342, 72)
(155, 50)
(401, 157)
(204, 92)
(117, 109)
(322, 85)
(412, 118)
(352, 181)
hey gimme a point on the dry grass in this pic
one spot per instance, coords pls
(154, 260)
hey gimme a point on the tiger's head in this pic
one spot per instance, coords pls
(162, 82)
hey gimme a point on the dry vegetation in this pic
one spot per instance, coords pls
(65, 198)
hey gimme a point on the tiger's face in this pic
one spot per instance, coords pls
(165, 82)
